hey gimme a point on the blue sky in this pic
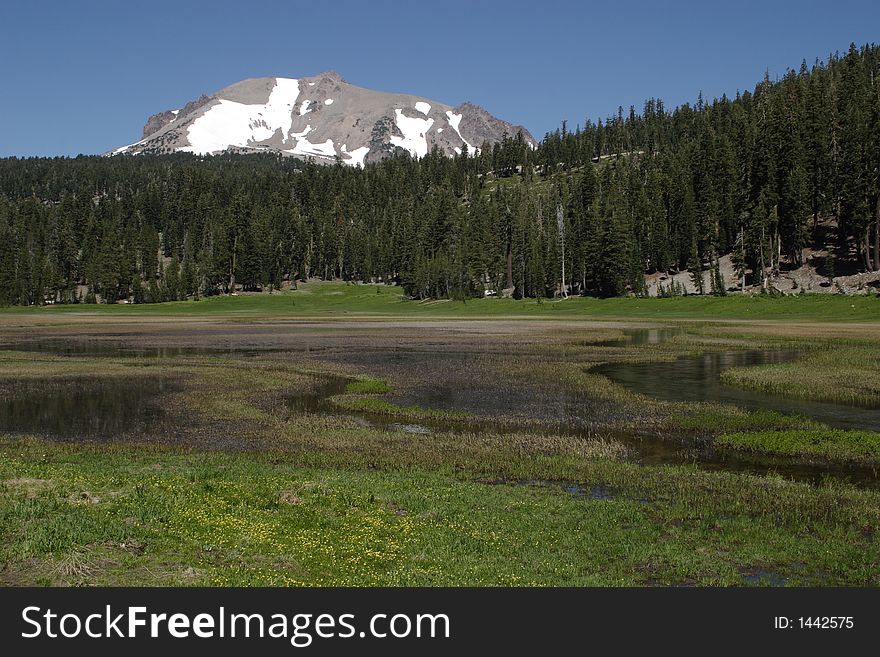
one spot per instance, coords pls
(82, 76)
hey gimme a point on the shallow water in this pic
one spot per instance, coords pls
(112, 408)
(63, 347)
(644, 448)
(697, 379)
(644, 336)
(83, 407)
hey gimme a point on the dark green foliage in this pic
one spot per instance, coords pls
(589, 212)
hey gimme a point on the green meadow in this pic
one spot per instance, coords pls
(476, 447)
(332, 299)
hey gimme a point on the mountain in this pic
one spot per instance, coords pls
(323, 117)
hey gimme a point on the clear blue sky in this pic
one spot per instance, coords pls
(81, 76)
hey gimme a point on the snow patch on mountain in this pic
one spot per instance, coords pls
(356, 156)
(229, 123)
(122, 149)
(306, 148)
(300, 135)
(454, 121)
(414, 131)
(304, 107)
(423, 107)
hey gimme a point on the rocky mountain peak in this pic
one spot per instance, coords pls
(321, 117)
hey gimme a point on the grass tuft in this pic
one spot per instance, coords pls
(368, 387)
(834, 444)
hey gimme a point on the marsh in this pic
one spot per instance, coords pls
(259, 450)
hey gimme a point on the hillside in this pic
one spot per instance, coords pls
(710, 193)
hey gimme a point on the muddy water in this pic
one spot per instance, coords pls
(644, 448)
(84, 407)
(697, 379)
(645, 336)
(63, 347)
(450, 380)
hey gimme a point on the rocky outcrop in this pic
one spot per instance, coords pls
(158, 121)
(478, 126)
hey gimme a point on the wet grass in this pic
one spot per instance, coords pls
(624, 409)
(362, 396)
(124, 514)
(829, 371)
(706, 418)
(21, 367)
(367, 386)
(831, 444)
(376, 406)
(238, 487)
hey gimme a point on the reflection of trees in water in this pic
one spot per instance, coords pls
(697, 379)
(82, 407)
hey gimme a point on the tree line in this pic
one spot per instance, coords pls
(760, 176)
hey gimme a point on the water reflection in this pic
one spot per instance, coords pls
(88, 407)
(62, 347)
(697, 379)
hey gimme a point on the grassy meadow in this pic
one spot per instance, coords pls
(126, 515)
(257, 471)
(347, 299)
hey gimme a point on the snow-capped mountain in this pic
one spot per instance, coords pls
(322, 117)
